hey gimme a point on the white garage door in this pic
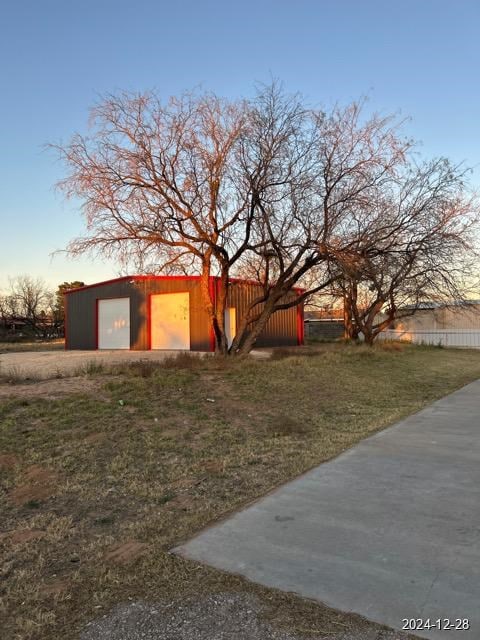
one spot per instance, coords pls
(114, 323)
(170, 321)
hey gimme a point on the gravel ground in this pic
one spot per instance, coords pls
(52, 364)
(214, 617)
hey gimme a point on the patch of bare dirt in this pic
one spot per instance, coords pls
(38, 484)
(50, 389)
(182, 502)
(126, 552)
(37, 473)
(94, 437)
(214, 466)
(55, 587)
(20, 536)
(8, 460)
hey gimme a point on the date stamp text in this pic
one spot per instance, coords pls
(442, 624)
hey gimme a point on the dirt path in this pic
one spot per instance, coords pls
(50, 389)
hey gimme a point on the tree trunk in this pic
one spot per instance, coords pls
(347, 318)
(368, 328)
(368, 337)
(207, 287)
(221, 343)
(250, 337)
(241, 331)
(351, 329)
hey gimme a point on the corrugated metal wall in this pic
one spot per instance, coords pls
(449, 327)
(282, 327)
(81, 312)
(467, 339)
(442, 318)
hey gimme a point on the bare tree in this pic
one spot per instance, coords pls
(219, 187)
(27, 300)
(307, 171)
(418, 245)
(5, 318)
(158, 191)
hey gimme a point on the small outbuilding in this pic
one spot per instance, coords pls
(165, 312)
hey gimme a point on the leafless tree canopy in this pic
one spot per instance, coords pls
(29, 306)
(266, 188)
(420, 245)
(28, 301)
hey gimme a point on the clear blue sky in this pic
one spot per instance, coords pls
(419, 57)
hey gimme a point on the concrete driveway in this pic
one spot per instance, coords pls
(48, 364)
(390, 529)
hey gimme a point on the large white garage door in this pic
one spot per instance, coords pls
(170, 321)
(114, 323)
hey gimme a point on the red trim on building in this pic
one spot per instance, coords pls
(213, 287)
(123, 278)
(300, 325)
(256, 283)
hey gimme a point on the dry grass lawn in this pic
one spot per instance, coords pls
(37, 345)
(99, 482)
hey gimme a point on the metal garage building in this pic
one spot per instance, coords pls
(164, 312)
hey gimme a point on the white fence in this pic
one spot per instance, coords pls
(469, 338)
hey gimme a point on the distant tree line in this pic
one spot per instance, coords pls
(30, 308)
(335, 202)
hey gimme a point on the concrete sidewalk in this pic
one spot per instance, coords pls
(390, 529)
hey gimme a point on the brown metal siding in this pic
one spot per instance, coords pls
(81, 312)
(80, 321)
(281, 328)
